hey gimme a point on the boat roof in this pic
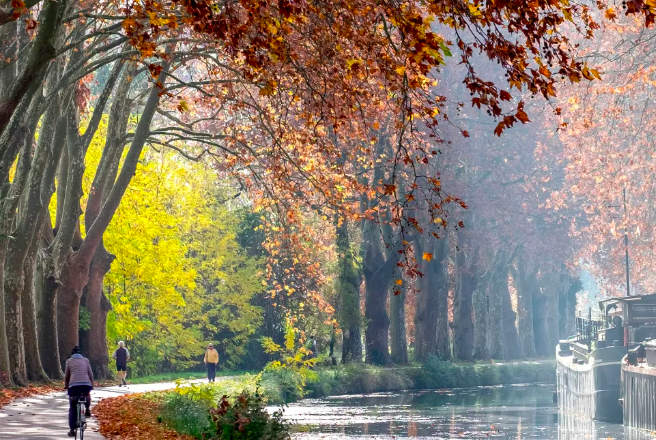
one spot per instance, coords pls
(630, 299)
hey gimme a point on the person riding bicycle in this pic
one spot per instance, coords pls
(79, 383)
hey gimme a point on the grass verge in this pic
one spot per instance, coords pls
(185, 375)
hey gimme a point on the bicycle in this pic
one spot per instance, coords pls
(81, 417)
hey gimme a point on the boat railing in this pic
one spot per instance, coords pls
(587, 330)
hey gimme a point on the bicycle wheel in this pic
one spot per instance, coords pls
(81, 418)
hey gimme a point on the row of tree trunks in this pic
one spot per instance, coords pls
(485, 322)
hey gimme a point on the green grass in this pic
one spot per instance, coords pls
(184, 375)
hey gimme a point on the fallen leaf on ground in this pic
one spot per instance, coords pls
(133, 417)
(8, 395)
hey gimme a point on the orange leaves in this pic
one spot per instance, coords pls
(7, 395)
(269, 89)
(611, 14)
(427, 256)
(522, 116)
(510, 120)
(389, 190)
(133, 416)
(590, 74)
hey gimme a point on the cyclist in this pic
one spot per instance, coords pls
(79, 382)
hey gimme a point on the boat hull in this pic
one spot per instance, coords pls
(591, 389)
(639, 397)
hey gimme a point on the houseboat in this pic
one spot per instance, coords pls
(589, 365)
(638, 381)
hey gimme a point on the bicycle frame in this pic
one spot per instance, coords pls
(81, 417)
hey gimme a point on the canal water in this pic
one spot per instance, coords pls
(508, 412)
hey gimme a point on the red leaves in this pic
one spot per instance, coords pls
(510, 120)
(504, 96)
(522, 116)
(640, 7)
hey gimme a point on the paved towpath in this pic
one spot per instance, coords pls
(46, 417)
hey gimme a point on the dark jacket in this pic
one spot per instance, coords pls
(121, 355)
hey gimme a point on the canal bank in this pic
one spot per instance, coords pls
(187, 410)
(434, 374)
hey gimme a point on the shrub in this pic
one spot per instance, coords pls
(188, 415)
(248, 419)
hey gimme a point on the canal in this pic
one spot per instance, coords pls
(509, 412)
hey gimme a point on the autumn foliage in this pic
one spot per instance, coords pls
(133, 417)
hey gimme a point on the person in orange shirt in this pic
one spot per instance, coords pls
(211, 360)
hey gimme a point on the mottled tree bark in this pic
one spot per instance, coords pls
(510, 338)
(480, 300)
(94, 340)
(348, 291)
(5, 368)
(466, 283)
(47, 319)
(431, 298)
(377, 330)
(35, 371)
(526, 284)
(41, 52)
(378, 274)
(398, 341)
(567, 308)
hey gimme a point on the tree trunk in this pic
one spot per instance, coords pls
(567, 308)
(463, 325)
(47, 318)
(68, 319)
(35, 371)
(480, 300)
(377, 330)
(94, 341)
(525, 282)
(14, 282)
(557, 284)
(443, 341)
(399, 344)
(511, 342)
(433, 289)
(495, 319)
(348, 291)
(5, 369)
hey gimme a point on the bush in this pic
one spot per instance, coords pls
(188, 415)
(248, 419)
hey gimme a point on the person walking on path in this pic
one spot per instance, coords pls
(211, 359)
(78, 380)
(122, 355)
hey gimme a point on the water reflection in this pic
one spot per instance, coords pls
(513, 412)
